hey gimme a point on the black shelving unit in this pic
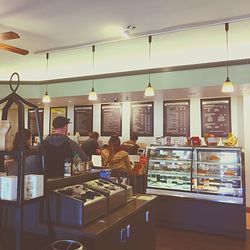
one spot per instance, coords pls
(21, 154)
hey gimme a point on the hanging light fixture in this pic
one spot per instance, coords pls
(149, 91)
(46, 98)
(228, 86)
(92, 93)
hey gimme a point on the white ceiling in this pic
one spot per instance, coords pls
(45, 25)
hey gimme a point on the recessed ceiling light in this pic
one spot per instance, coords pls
(38, 103)
(69, 101)
(104, 99)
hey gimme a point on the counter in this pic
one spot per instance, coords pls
(130, 226)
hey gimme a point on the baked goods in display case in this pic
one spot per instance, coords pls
(213, 158)
(196, 170)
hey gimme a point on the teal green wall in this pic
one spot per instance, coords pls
(167, 80)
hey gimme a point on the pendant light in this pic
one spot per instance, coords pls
(228, 86)
(92, 93)
(46, 98)
(149, 91)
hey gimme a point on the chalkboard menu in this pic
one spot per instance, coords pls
(142, 119)
(83, 119)
(216, 116)
(176, 118)
(32, 126)
(54, 112)
(111, 119)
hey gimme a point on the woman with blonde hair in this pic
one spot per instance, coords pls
(114, 157)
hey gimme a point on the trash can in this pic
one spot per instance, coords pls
(67, 245)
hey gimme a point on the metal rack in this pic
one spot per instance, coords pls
(20, 153)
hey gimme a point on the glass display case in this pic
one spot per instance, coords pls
(169, 168)
(217, 171)
(213, 173)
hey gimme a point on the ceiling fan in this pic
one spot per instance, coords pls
(9, 36)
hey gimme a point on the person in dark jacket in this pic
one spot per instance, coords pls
(90, 146)
(58, 147)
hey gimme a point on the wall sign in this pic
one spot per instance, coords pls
(54, 112)
(32, 126)
(83, 119)
(176, 118)
(111, 119)
(142, 119)
(216, 116)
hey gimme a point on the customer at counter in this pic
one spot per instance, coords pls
(90, 146)
(130, 146)
(114, 157)
(58, 147)
(33, 163)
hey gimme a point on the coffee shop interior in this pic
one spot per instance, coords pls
(175, 74)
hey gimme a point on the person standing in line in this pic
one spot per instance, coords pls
(130, 146)
(58, 147)
(90, 146)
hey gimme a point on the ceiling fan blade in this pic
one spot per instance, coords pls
(9, 35)
(14, 49)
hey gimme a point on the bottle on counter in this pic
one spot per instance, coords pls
(76, 164)
(67, 167)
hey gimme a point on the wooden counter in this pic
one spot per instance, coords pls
(55, 183)
(128, 227)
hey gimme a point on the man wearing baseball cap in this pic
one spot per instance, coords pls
(58, 147)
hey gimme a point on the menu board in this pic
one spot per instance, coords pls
(54, 112)
(32, 126)
(83, 119)
(176, 118)
(142, 119)
(216, 116)
(111, 119)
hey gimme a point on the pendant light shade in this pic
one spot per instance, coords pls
(92, 93)
(228, 86)
(149, 91)
(46, 98)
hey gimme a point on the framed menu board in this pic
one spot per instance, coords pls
(54, 112)
(176, 118)
(142, 119)
(32, 121)
(111, 119)
(216, 116)
(83, 119)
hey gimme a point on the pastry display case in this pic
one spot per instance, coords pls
(218, 171)
(211, 173)
(169, 168)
